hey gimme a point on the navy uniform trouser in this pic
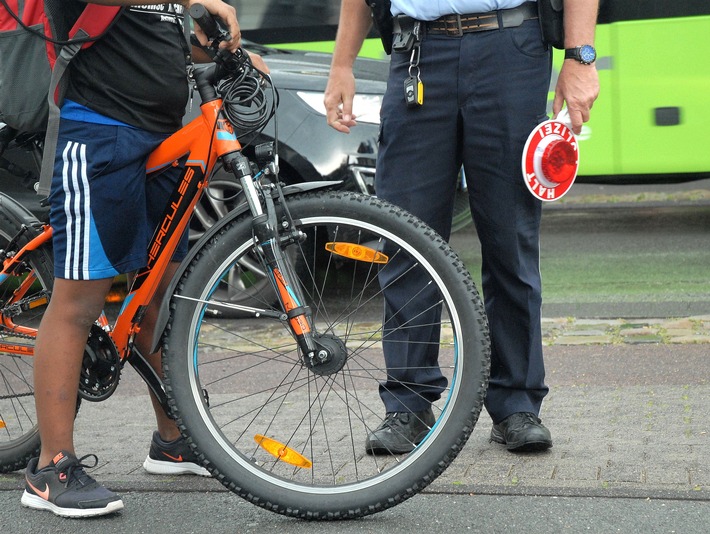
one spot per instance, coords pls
(483, 94)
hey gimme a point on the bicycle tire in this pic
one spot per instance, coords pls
(232, 382)
(19, 434)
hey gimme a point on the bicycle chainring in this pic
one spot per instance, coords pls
(101, 367)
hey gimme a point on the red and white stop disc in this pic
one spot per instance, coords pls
(551, 159)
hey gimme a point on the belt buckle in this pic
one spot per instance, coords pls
(456, 31)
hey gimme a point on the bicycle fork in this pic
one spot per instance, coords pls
(319, 351)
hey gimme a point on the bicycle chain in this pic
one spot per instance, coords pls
(3, 397)
(4, 329)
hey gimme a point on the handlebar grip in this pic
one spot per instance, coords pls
(206, 21)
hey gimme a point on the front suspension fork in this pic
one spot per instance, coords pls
(283, 278)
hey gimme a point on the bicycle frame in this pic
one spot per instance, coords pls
(205, 139)
(200, 143)
(296, 391)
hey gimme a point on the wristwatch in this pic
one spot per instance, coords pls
(585, 54)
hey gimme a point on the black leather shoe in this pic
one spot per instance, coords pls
(522, 432)
(400, 432)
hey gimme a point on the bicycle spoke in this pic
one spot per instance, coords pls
(24, 295)
(277, 420)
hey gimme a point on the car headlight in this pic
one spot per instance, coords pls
(365, 107)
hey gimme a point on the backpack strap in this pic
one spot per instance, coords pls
(91, 24)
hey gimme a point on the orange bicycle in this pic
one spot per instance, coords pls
(277, 402)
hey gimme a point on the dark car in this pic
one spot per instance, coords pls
(309, 149)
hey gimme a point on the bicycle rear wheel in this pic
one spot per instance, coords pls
(23, 300)
(290, 436)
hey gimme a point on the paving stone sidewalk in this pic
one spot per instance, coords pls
(572, 331)
(627, 407)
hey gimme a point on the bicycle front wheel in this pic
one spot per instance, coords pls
(289, 435)
(24, 295)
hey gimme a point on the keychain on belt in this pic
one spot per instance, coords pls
(413, 86)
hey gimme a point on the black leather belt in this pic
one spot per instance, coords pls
(457, 25)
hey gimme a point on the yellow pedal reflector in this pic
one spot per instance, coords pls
(36, 303)
(356, 252)
(282, 452)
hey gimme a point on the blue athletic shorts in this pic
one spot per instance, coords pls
(103, 210)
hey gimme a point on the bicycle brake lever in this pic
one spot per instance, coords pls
(225, 60)
(212, 51)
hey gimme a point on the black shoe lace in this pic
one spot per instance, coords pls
(75, 470)
(522, 419)
(393, 420)
(530, 418)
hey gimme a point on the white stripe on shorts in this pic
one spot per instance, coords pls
(77, 208)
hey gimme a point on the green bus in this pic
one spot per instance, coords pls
(654, 70)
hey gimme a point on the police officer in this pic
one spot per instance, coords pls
(468, 82)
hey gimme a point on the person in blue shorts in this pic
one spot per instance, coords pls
(126, 93)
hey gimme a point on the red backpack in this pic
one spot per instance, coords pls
(34, 53)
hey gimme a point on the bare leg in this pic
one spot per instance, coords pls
(59, 351)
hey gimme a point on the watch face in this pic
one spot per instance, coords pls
(587, 54)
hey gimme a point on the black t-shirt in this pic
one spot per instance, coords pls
(136, 72)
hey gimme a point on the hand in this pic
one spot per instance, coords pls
(258, 62)
(338, 99)
(578, 85)
(228, 15)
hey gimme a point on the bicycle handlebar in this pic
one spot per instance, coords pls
(209, 25)
(233, 77)
(232, 62)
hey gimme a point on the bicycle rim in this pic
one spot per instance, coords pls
(20, 314)
(289, 437)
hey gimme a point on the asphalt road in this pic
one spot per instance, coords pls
(180, 513)
(610, 251)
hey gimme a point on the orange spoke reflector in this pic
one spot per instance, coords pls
(2, 423)
(282, 452)
(356, 252)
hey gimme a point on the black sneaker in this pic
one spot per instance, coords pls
(172, 458)
(63, 487)
(400, 432)
(522, 432)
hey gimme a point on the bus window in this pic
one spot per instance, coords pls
(296, 24)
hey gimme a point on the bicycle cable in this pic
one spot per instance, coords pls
(246, 104)
(245, 101)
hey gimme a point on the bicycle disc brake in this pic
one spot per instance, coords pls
(101, 367)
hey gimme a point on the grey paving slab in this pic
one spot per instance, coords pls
(627, 421)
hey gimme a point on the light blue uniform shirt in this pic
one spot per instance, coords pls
(433, 9)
